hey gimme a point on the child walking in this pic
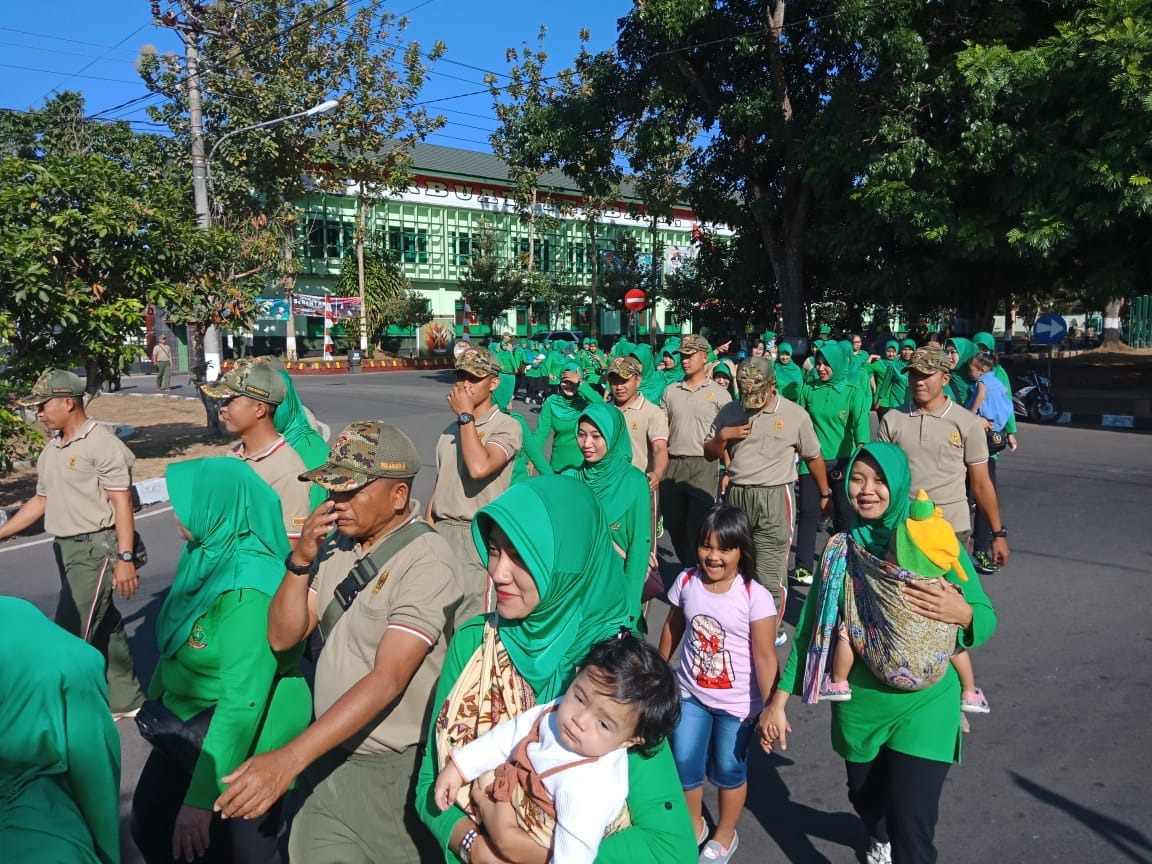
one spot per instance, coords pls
(727, 671)
(563, 766)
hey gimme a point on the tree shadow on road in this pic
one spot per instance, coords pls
(790, 824)
(1115, 833)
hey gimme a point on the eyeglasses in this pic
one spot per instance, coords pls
(228, 400)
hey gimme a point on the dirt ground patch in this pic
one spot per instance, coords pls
(166, 430)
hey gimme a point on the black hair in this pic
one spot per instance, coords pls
(986, 360)
(733, 531)
(633, 673)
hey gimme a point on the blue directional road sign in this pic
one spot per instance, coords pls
(1049, 329)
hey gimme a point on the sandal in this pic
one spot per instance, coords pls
(702, 834)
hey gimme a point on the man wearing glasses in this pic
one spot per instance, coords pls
(84, 493)
(248, 398)
(474, 459)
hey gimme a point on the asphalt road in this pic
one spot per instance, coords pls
(1059, 771)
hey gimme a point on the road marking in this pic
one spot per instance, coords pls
(50, 539)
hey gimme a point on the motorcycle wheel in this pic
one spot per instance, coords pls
(1043, 410)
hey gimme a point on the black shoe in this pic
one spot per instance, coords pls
(983, 563)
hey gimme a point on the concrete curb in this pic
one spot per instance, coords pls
(1107, 421)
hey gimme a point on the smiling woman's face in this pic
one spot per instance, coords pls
(868, 489)
(516, 592)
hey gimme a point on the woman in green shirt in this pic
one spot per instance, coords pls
(897, 745)
(212, 634)
(59, 751)
(558, 591)
(558, 417)
(622, 490)
(789, 376)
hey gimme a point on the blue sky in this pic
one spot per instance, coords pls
(90, 46)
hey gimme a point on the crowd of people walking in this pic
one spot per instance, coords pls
(349, 675)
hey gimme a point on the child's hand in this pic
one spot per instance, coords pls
(448, 784)
(773, 728)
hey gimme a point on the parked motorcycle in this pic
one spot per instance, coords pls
(1033, 400)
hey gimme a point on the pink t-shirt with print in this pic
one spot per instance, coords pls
(716, 664)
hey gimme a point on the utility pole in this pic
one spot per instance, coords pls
(205, 354)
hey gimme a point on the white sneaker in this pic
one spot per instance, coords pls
(879, 853)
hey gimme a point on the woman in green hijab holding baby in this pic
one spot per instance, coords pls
(559, 590)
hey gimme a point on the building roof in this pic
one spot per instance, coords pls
(434, 158)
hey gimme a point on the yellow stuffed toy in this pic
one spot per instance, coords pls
(925, 541)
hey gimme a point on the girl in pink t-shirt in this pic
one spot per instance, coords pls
(727, 671)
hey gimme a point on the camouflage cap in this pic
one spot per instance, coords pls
(478, 361)
(53, 383)
(625, 367)
(255, 379)
(929, 360)
(363, 452)
(692, 343)
(754, 377)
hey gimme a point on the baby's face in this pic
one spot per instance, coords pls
(592, 723)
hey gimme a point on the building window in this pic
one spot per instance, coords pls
(541, 256)
(409, 244)
(465, 248)
(327, 238)
(576, 256)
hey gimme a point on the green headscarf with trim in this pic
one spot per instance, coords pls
(239, 541)
(560, 533)
(875, 535)
(606, 477)
(291, 421)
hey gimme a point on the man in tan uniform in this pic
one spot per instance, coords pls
(248, 398)
(474, 458)
(688, 489)
(647, 424)
(945, 444)
(763, 434)
(383, 588)
(162, 357)
(84, 493)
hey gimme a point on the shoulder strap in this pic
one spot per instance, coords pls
(364, 571)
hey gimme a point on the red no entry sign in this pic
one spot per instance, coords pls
(635, 300)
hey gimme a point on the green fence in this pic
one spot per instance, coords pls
(1139, 333)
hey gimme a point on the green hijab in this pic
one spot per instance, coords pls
(240, 542)
(652, 381)
(622, 348)
(961, 381)
(606, 477)
(876, 534)
(789, 375)
(986, 339)
(908, 343)
(562, 536)
(291, 421)
(838, 359)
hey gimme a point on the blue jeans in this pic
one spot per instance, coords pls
(711, 743)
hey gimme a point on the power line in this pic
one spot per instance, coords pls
(92, 63)
(56, 38)
(57, 72)
(68, 53)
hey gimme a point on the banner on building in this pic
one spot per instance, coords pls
(308, 305)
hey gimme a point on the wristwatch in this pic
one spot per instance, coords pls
(298, 569)
(465, 418)
(1003, 532)
(466, 844)
(126, 556)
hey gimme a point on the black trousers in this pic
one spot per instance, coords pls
(897, 797)
(158, 798)
(808, 511)
(981, 527)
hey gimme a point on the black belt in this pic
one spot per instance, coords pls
(701, 456)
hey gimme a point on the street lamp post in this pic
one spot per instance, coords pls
(201, 189)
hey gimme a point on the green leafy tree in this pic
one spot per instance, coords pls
(490, 283)
(391, 300)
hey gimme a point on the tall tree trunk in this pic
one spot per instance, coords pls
(361, 222)
(289, 283)
(1110, 335)
(199, 375)
(593, 317)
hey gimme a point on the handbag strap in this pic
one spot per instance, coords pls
(364, 571)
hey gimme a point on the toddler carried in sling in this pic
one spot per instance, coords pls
(860, 596)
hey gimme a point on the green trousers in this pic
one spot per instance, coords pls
(85, 609)
(163, 375)
(473, 574)
(687, 493)
(770, 510)
(359, 809)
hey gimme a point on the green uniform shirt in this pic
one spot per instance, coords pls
(840, 416)
(227, 663)
(923, 723)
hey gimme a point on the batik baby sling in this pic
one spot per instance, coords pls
(901, 647)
